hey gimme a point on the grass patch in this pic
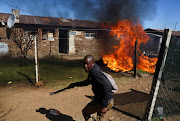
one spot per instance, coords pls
(141, 71)
(52, 71)
(122, 80)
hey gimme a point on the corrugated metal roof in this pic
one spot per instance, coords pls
(159, 31)
(25, 19)
(4, 17)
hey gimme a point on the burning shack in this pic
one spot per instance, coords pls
(129, 36)
(134, 47)
(153, 46)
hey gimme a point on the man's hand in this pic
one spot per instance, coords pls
(52, 93)
(70, 86)
(103, 111)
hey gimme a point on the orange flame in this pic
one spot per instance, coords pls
(122, 58)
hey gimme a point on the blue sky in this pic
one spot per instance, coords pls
(157, 14)
(167, 16)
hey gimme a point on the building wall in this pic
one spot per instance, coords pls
(84, 46)
(79, 46)
(14, 51)
(4, 50)
(45, 47)
(3, 33)
(72, 49)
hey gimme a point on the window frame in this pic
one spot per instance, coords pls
(91, 35)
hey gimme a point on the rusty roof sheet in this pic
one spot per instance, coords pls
(83, 23)
(26, 19)
(4, 17)
(160, 31)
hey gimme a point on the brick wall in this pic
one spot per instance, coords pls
(84, 46)
(14, 51)
(3, 33)
(45, 47)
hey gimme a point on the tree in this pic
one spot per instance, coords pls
(24, 44)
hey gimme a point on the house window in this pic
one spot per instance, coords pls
(89, 35)
(29, 35)
(48, 35)
(72, 33)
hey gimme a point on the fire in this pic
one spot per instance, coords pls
(122, 59)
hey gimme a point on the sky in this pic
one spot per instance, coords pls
(166, 16)
(156, 14)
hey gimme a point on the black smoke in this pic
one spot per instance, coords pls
(114, 10)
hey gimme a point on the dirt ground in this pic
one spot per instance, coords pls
(23, 102)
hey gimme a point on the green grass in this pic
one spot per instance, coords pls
(52, 71)
(122, 80)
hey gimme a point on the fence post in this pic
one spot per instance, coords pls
(135, 59)
(36, 60)
(158, 74)
(38, 83)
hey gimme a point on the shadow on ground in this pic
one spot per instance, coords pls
(131, 103)
(60, 117)
(27, 77)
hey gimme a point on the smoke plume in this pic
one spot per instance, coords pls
(114, 10)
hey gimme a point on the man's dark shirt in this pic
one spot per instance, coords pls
(101, 86)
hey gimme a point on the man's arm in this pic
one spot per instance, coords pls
(72, 85)
(79, 84)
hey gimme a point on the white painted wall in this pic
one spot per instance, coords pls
(3, 48)
(71, 42)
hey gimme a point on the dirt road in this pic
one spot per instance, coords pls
(20, 102)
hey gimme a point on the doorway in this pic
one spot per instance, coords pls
(63, 41)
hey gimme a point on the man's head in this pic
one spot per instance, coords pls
(88, 62)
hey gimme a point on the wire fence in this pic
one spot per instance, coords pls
(168, 99)
(135, 104)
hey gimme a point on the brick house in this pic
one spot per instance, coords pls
(57, 37)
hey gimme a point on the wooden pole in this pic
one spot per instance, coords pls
(135, 59)
(158, 74)
(50, 49)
